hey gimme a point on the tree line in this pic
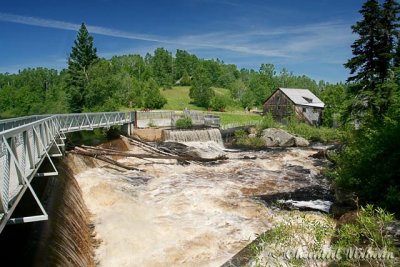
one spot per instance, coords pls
(90, 83)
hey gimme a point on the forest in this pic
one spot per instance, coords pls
(366, 108)
(90, 83)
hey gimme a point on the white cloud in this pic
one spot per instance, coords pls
(279, 42)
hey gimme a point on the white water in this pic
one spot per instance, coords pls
(322, 205)
(193, 215)
(184, 136)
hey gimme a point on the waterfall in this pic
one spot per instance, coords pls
(203, 135)
(67, 236)
(66, 239)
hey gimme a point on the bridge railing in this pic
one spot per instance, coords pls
(88, 121)
(23, 149)
(16, 122)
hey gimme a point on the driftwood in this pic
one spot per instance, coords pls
(81, 151)
(153, 153)
(146, 146)
(96, 152)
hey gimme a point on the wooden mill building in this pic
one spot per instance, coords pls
(300, 102)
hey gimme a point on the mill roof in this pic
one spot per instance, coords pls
(303, 97)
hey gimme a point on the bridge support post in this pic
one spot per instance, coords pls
(127, 129)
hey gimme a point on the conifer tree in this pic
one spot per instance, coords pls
(374, 55)
(364, 65)
(389, 24)
(83, 54)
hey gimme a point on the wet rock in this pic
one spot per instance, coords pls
(345, 201)
(312, 198)
(298, 169)
(249, 157)
(321, 154)
(276, 137)
(345, 197)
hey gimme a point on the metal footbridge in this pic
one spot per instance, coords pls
(26, 142)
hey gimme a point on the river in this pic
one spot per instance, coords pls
(187, 214)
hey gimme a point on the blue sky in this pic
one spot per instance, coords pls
(310, 37)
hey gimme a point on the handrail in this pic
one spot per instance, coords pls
(24, 147)
(6, 124)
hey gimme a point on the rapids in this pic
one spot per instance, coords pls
(187, 215)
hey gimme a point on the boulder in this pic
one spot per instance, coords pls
(300, 141)
(278, 137)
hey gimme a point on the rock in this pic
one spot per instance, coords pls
(300, 141)
(348, 217)
(278, 137)
(252, 130)
(345, 201)
(321, 154)
(252, 135)
(346, 197)
(249, 157)
(338, 210)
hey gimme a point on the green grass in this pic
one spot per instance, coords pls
(178, 99)
(237, 117)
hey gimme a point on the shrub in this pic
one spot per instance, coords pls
(218, 103)
(368, 231)
(312, 133)
(369, 164)
(268, 122)
(242, 139)
(184, 123)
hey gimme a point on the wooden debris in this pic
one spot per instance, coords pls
(153, 153)
(81, 151)
(97, 151)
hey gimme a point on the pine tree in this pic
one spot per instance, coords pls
(374, 55)
(364, 64)
(83, 55)
(389, 24)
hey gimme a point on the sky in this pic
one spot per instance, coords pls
(307, 37)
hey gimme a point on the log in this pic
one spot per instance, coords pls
(96, 152)
(146, 146)
(81, 151)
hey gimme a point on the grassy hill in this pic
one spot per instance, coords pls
(178, 99)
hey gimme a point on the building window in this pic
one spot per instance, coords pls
(314, 110)
(279, 107)
(304, 110)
